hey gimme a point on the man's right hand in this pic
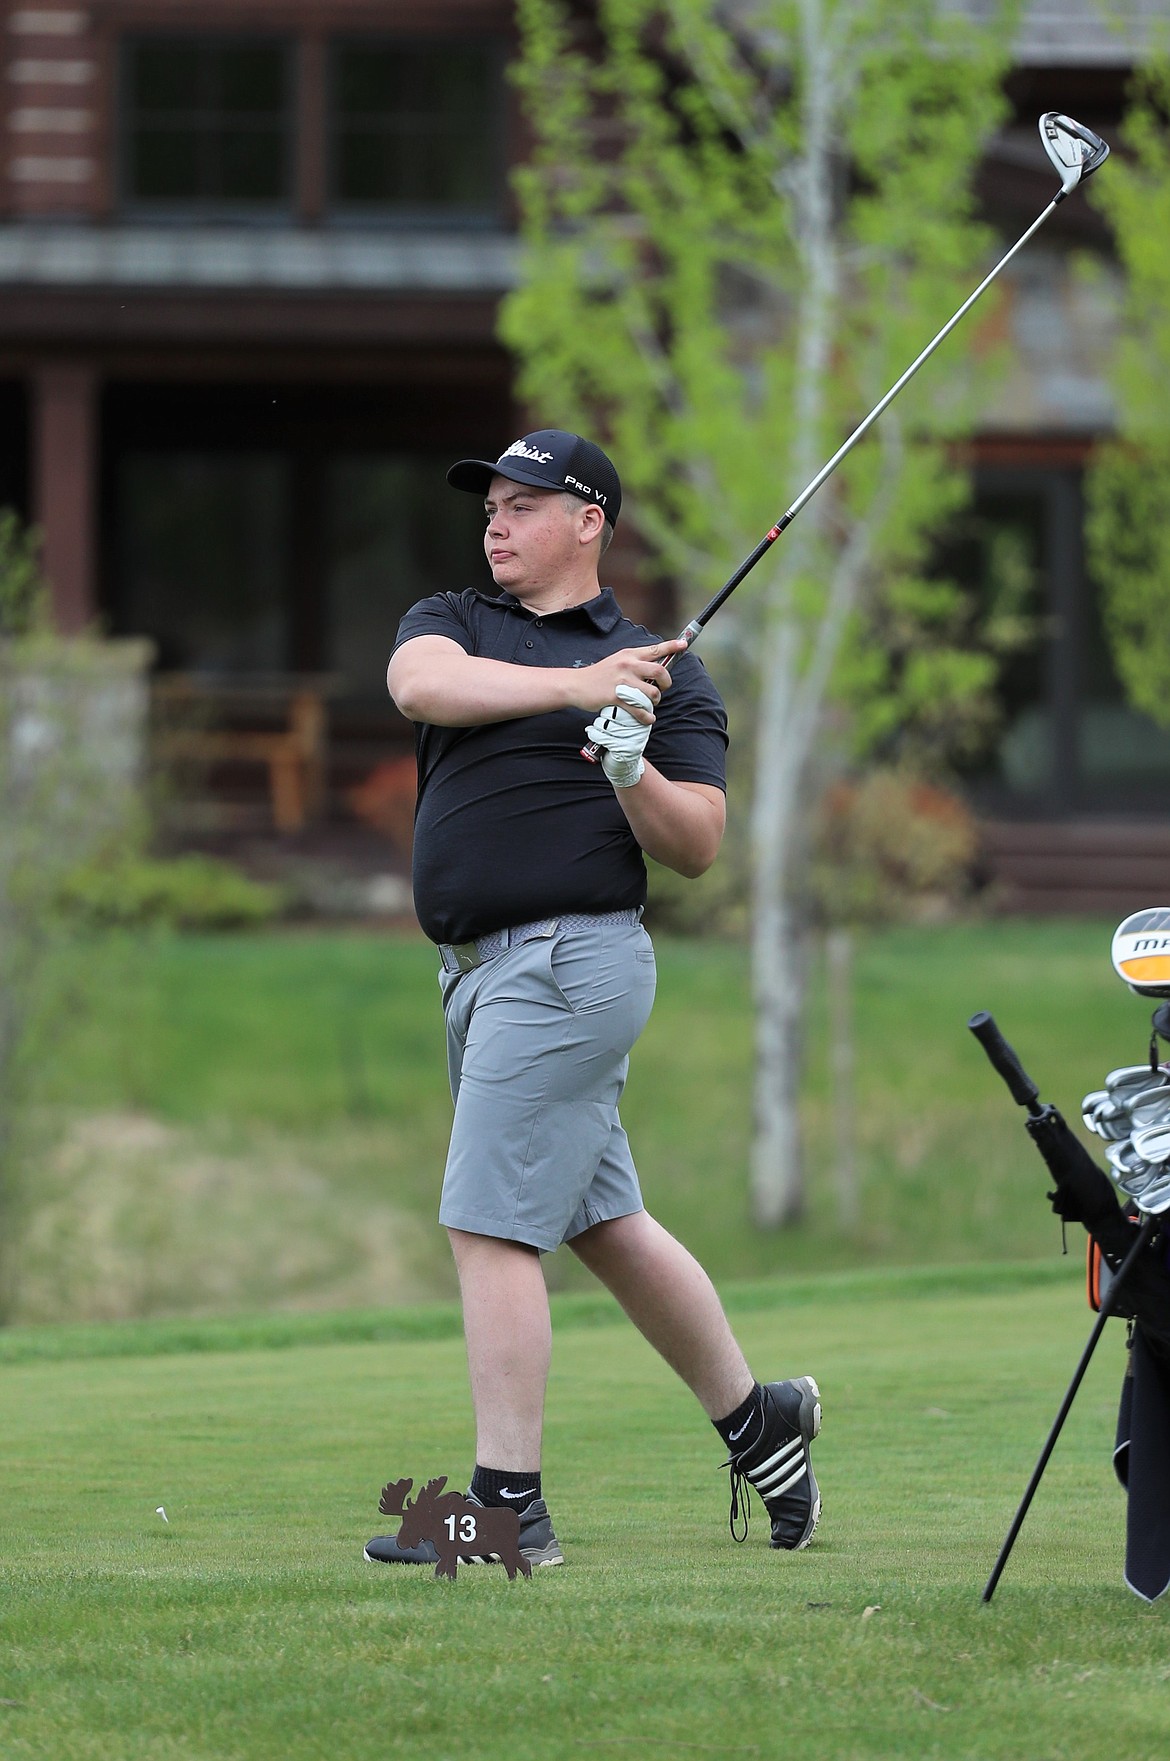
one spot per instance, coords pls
(596, 687)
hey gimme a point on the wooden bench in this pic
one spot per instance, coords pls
(279, 721)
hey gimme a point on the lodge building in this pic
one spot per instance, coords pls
(251, 253)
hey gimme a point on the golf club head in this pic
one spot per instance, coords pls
(1153, 1144)
(1111, 1130)
(1074, 149)
(1145, 1183)
(1151, 1106)
(1107, 1117)
(1155, 1199)
(1124, 1160)
(1136, 1178)
(1141, 953)
(1119, 1084)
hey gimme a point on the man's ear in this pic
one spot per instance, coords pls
(592, 523)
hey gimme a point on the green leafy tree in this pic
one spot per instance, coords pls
(741, 223)
(68, 784)
(1128, 484)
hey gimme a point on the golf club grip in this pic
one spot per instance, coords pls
(593, 751)
(1003, 1059)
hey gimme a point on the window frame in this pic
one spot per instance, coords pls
(278, 210)
(341, 211)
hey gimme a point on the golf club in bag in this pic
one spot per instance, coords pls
(1135, 1285)
(1076, 152)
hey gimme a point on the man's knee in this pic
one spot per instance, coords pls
(616, 1239)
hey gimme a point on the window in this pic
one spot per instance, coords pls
(206, 123)
(203, 557)
(417, 129)
(206, 558)
(395, 533)
(14, 442)
(1067, 741)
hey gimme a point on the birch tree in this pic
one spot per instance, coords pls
(741, 223)
(1128, 484)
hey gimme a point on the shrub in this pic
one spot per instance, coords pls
(129, 890)
(23, 596)
(889, 845)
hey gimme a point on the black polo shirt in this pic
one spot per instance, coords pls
(512, 824)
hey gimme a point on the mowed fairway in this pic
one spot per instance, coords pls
(249, 1625)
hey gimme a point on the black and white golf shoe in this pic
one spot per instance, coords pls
(538, 1544)
(778, 1465)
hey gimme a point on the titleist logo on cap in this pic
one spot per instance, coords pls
(519, 450)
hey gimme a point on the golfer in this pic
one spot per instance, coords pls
(529, 875)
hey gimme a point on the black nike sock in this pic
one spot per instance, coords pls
(740, 1429)
(513, 1488)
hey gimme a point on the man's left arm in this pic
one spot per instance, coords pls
(678, 824)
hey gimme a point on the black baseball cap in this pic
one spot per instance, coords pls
(548, 459)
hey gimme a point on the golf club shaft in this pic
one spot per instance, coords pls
(1108, 1303)
(691, 633)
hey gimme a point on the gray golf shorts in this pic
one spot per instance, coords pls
(538, 1042)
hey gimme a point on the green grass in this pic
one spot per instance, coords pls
(249, 1628)
(250, 1123)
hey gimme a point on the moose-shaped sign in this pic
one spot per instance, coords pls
(455, 1526)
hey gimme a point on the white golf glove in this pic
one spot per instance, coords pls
(622, 736)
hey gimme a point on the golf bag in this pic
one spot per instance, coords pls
(1141, 1455)
(1129, 1274)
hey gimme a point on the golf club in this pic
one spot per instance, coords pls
(1076, 152)
(1120, 1115)
(1108, 1120)
(1153, 1144)
(1150, 1106)
(1129, 1079)
(1126, 1162)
